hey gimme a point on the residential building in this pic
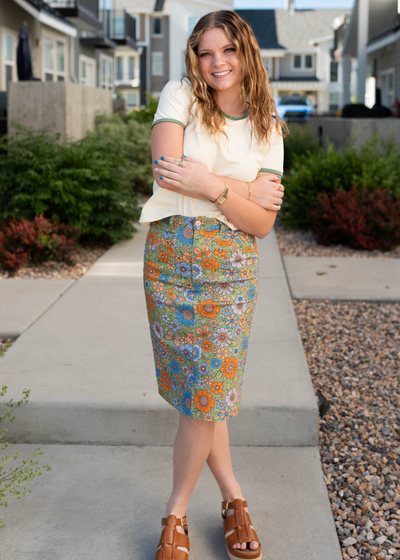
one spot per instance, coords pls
(296, 49)
(51, 41)
(372, 36)
(163, 27)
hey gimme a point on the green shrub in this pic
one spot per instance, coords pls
(133, 137)
(300, 140)
(322, 171)
(85, 183)
(144, 114)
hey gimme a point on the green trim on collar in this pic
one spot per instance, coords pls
(169, 120)
(265, 170)
(235, 118)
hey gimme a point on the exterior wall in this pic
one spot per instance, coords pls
(67, 108)
(160, 44)
(387, 58)
(180, 11)
(339, 130)
(286, 71)
(84, 50)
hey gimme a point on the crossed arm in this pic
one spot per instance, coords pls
(256, 216)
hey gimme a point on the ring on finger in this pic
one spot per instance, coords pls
(181, 163)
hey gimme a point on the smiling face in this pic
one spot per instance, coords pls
(218, 62)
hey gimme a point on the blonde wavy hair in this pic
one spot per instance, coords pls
(255, 88)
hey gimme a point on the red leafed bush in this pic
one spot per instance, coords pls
(23, 242)
(362, 219)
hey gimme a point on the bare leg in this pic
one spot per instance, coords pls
(192, 447)
(220, 463)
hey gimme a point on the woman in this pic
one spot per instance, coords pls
(218, 161)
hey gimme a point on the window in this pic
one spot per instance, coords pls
(106, 72)
(387, 86)
(334, 71)
(297, 60)
(267, 61)
(157, 27)
(132, 99)
(9, 46)
(119, 26)
(120, 69)
(87, 71)
(302, 62)
(334, 101)
(131, 68)
(54, 60)
(157, 63)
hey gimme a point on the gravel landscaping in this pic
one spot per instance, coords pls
(82, 260)
(353, 353)
(295, 243)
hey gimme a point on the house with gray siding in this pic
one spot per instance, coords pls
(371, 36)
(295, 46)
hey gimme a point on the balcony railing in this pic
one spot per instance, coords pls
(83, 13)
(119, 26)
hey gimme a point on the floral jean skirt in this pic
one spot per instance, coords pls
(200, 281)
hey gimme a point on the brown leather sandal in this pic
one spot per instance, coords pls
(170, 539)
(240, 521)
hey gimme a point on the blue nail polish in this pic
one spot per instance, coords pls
(279, 176)
(156, 161)
(184, 156)
(162, 157)
(161, 178)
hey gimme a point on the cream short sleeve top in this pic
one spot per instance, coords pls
(236, 156)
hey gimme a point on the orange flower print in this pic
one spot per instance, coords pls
(151, 271)
(162, 255)
(205, 233)
(151, 240)
(207, 346)
(219, 252)
(222, 353)
(229, 367)
(211, 264)
(209, 380)
(204, 401)
(223, 242)
(208, 308)
(165, 381)
(217, 387)
(150, 302)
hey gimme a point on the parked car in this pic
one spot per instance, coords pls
(294, 108)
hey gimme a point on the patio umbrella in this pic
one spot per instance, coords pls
(24, 64)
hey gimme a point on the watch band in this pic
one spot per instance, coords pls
(221, 199)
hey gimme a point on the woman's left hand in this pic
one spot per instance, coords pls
(187, 176)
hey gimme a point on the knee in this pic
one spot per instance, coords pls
(196, 425)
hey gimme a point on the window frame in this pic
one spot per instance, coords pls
(153, 55)
(269, 66)
(109, 82)
(157, 35)
(14, 40)
(88, 61)
(333, 62)
(137, 93)
(55, 39)
(302, 67)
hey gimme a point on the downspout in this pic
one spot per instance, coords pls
(74, 79)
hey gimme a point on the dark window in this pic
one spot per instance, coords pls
(309, 61)
(293, 101)
(157, 26)
(120, 68)
(334, 71)
(297, 60)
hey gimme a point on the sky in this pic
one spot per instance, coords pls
(276, 4)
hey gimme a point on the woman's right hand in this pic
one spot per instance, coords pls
(267, 192)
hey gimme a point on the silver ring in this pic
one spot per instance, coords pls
(181, 163)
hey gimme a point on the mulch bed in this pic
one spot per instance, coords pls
(82, 259)
(353, 353)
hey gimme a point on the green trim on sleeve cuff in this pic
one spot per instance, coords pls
(169, 120)
(264, 170)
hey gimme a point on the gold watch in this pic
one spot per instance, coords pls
(221, 199)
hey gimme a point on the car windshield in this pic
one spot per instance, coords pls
(292, 101)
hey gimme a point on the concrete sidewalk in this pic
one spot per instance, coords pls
(89, 363)
(106, 503)
(343, 278)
